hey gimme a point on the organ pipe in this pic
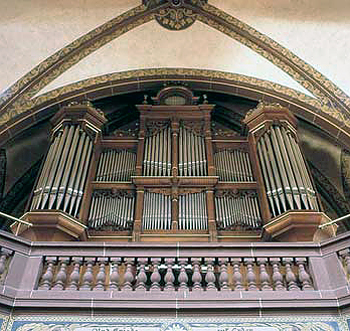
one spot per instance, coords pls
(233, 166)
(157, 153)
(192, 155)
(63, 177)
(237, 210)
(288, 184)
(193, 211)
(156, 211)
(116, 166)
(111, 210)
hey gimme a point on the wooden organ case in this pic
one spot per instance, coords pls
(178, 181)
(174, 177)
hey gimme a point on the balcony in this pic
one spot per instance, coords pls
(174, 275)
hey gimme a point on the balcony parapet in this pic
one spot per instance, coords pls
(185, 275)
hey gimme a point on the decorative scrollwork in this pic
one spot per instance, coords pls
(114, 194)
(235, 194)
(153, 127)
(175, 16)
(196, 127)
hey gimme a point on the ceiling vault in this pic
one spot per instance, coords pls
(330, 100)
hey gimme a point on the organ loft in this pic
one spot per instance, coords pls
(174, 174)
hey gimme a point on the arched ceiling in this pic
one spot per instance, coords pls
(17, 99)
(148, 46)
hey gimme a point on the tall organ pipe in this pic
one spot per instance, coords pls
(156, 211)
(287, 181)
(64, 173)
(157, 153)
(192, 155)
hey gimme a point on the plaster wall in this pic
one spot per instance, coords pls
(317, 31)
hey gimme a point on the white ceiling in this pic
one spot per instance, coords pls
(316, 30)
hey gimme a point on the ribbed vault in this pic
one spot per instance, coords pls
(331, 101)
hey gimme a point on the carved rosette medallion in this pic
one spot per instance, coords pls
(175, 14)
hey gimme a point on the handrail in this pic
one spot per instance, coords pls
(12, 218)
(334, 221)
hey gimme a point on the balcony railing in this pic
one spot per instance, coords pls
(183, 275)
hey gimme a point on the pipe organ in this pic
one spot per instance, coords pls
(157, 151)
(233, 165)
(192, 154)
(111, 210)
(156, 211)
(64, 173)
(237, 210)
(193, 211)
(177, 177)
(116, 166)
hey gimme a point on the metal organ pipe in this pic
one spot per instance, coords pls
(193, 213)
(287, 181)
(64, 173)
(237, 211)
(233, 166)
(116, 165)
(156, 211)
(111, 211)
(157, 153)
(192, 155)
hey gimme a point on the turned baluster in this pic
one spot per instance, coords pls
(101, 275)
(237, 276)
(223, 278)
(196, 277)
(345, 254)
(210, 276)
(141, 278)
(46, 280)
(128, 275)
(169, 276)
(304, 277)
(251, 278)
(3, 257)
(61, 276)
(183, 278)
(264, 276)
(290, 277)
(74, 277)
(277, 277)
(88, 275)
(114, 278)
(155, 277)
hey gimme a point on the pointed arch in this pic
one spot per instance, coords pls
(304, 106)
(17, 99)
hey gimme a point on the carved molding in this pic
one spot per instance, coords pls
(114, 193)
(235, 194)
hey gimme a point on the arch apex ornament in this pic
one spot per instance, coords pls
(176, 14)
